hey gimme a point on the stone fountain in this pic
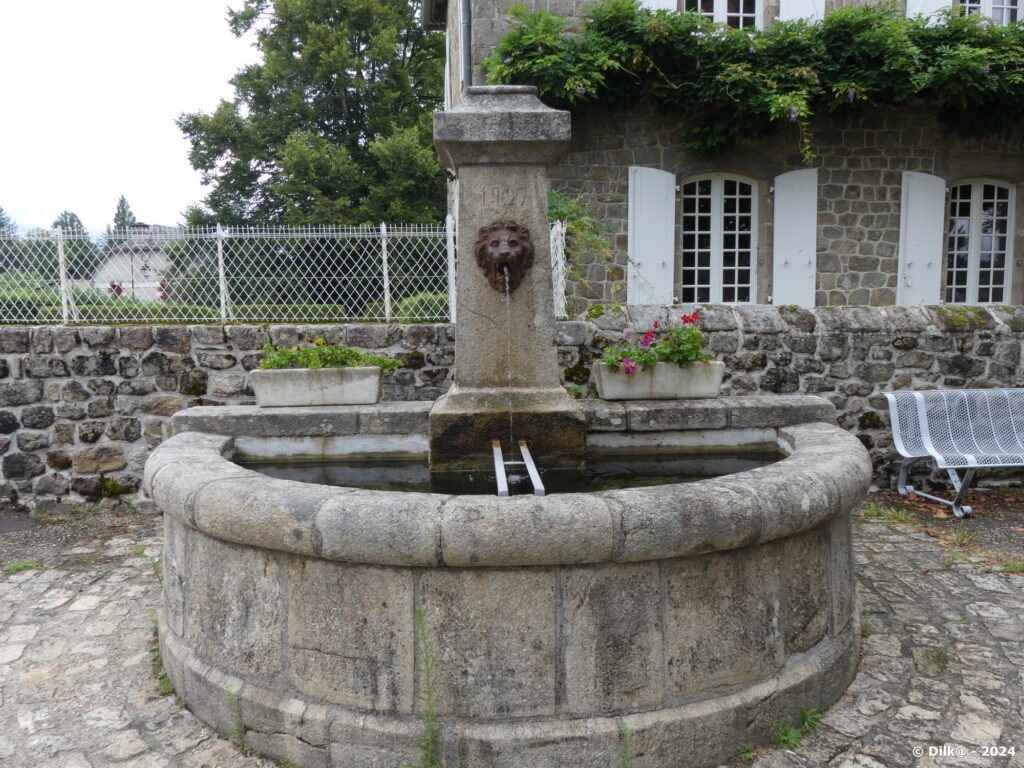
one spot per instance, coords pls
(685, 618)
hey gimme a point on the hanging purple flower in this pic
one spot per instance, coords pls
(793, 114)
(850, 94)
(987, 69)
(580, 90)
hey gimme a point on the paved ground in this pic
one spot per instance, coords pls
(943, 664)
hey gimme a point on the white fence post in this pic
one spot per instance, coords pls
(387, 276)
(449, 229)
(558, 267)
(222, 275)
(62, 271)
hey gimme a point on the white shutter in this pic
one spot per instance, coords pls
(922, 224)
(794, 257)
(659, 5)
(791, 10)
(652, 236)
(926, 7)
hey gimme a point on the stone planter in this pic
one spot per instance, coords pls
(661, 381)
(317, 386)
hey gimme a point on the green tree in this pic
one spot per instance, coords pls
(82, 254)
(332, 126)
(7, 225)
(123, 216)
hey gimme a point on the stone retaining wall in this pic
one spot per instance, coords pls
(78, 405)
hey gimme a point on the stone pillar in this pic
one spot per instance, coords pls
(499, 141)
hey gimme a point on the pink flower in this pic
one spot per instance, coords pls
(628, 365)
(626, 333)
(648, 337)
(656, 325)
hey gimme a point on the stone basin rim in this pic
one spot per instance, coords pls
(191, 477)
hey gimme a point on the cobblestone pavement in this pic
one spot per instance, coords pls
(943, 664)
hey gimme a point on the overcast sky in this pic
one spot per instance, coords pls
(89, 91)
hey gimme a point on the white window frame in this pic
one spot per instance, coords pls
(974, 239)
(986, 8)
(721, 13)
(717, 214)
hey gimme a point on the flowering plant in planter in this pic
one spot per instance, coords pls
(663, 343)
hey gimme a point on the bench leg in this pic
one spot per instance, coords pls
(961, 491)
(960, 486)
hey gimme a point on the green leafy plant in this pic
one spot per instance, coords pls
(746, 753)
(726, 85)
(430, 742)
(22, 565)
(810, 720)
(320, 354)
(624, 762)
(682, 345)
(872, 512)
(787, 737)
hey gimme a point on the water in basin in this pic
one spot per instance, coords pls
(599, 473)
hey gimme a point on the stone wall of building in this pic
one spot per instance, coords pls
(82, 407)
(860, 161)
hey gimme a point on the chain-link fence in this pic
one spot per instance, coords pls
(200, 275)
(163, 274)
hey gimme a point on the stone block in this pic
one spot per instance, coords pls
(193, 382)
(286, 748)
(100, 408)
(363, 740)
(586, 743)
(392, 419)
(21, 392)
(172, 338)
(22, 465)
(273, 514)
(65, 339)
(173, 569)
(567, 528)
(121, 428)
(90, 431)
(14, 339)
(43, 367)
(842, 582)
(675, 415)
(722, 621)
(611, 639)
(100, 364)
(385, 528)
(208, 334)
(41, 340)
(8, 422)
(98, 336)
(37, 416)
(221, 579)
(231, 385)
(246, 337)
(32, 441)
(161, 405)
(351, 638)
(216, 360)
(51, 485)
(492, 633)
(805, 591)
(100, 458)
(137, 338)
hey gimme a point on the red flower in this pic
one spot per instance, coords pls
(690, 319)
(656, 325)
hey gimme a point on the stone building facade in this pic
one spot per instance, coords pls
(868, 250)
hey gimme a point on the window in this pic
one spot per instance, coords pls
(741, 14)
(979, 247)
(1000, 11)
(719, 240)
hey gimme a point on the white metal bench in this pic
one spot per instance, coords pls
(962, 430)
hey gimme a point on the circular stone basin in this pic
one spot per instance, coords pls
(693, 617)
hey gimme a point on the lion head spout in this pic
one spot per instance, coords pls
(504, 244)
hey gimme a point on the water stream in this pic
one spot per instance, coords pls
(506, 298)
